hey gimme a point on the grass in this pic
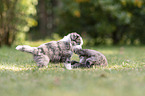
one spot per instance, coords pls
(124, 76)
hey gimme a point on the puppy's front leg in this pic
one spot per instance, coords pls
(67, 64)
(75, 64)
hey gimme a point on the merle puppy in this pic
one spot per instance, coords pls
(88, 58)
(55, 51)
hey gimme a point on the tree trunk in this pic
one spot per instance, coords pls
(6, 39)
(51, 17)
(7, 28)
(42, 17)
(46, 17)
(115, 37)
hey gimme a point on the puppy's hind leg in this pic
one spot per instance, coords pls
(41, 60)
(74, 64)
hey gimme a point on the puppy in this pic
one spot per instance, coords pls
(88, 58)
(55, 51)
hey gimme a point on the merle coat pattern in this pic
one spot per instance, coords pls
(88, 58)
(54, 51)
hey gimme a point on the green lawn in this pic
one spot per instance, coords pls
(124, 76)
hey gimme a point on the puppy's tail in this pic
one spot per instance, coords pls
(26, 48)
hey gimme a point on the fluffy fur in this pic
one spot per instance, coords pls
(88, 58)
(55, 51)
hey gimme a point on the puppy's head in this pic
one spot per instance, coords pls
(75, 40)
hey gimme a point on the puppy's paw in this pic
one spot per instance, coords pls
(68, 66)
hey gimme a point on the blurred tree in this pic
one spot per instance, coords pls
(45, 9)
(98, 21)
(42, 16)
(15, 16)
(6, 27)
(120, 20)
(136, 8)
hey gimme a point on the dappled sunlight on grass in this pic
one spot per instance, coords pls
(22, 68)
(13, 68)
(125, 73)
(60, 67)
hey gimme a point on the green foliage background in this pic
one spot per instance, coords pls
(16, 18)
(98, 21)
(120, 20)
